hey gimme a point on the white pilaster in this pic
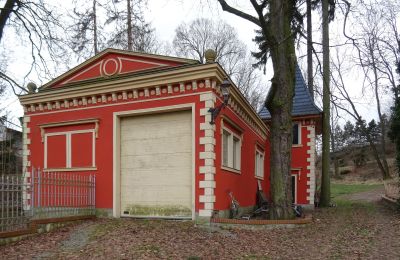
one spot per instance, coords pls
(208, 167)
(311, 164)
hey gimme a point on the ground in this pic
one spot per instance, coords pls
(359, 227)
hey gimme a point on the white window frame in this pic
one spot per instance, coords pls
(298, 133)
(259, 164)
(68, 134)
(231, 161)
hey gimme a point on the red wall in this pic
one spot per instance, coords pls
(243, 185)
(299, 164)
(104, 142)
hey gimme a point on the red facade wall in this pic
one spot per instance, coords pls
(243, 185)
(104, 142)
(300, 163)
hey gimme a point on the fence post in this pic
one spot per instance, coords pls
(39, 182)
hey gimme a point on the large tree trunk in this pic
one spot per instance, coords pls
(279, 103)
(129, 28)
(325, 182)
(310, 79)
(5, 14)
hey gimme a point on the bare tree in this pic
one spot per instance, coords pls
(130, 31)
(37, 25)
(345, 102)
(86, 36)
(375, 45)
(193, 39)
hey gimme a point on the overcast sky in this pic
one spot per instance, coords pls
(166, 15)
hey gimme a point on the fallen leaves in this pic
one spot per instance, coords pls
(345, 233)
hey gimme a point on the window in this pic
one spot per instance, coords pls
(69, 150)
(231, 150)
(259, 164)
(296, 134)
(294, 188)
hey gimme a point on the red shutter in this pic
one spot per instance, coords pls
(82, 150)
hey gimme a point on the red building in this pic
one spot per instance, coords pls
(141, 123)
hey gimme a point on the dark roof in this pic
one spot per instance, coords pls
(302, 102)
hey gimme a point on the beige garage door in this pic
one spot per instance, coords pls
(156, 165)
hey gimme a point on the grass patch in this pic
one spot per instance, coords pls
(349, 206)
(344, 189)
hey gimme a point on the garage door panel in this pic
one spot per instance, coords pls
(156, 133)
(156, 165)
(156, 146)
(160, 161)
(167, 179)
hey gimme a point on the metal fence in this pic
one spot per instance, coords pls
(15, 212)
(56, 194)
(44, 195)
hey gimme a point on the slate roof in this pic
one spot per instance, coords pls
(303, 104)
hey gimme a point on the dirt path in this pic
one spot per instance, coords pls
(366, 196)
(356, 230)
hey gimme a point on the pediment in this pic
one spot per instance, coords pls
(110, 63)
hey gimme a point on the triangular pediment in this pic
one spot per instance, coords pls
(111, 62)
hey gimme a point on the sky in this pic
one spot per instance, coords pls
(166, 15)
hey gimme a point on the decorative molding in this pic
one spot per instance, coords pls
(208, 156)
(311, 164)
(72, 122)
(26, 141)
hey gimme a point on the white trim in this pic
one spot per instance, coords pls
(241, 118)
(25, 141)
(238, 158)
(117, 143)
(68, 148)
(311, 165)
(258, 151)
(73, 169)
(299, 144)
(121, 103)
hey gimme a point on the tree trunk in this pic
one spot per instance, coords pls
(279, 103)
(96, 50)
(325, 182)
(5, 14)
(129, 28)
(385, 167)
(310, 79)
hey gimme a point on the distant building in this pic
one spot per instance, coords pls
(10, 151)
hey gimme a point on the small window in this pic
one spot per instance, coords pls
(296, 134)
(225, 141)
(231, 150)
(259, 164)
(294, 188)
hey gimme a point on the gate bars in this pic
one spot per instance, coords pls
(45, 195)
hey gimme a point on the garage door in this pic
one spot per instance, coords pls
(156, 165)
